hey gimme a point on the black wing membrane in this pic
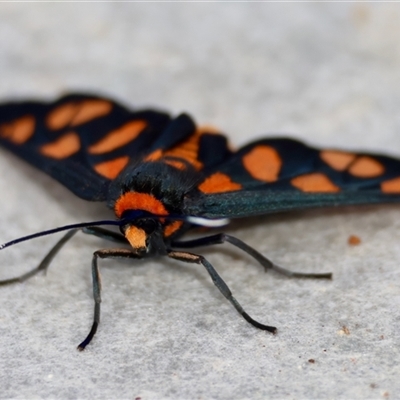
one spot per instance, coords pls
(85, 141)
(274, 175)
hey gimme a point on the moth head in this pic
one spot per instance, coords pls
(143, 235)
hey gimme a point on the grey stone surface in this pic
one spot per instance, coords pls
(328, 74)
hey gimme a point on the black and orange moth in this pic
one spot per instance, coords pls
(163, 176)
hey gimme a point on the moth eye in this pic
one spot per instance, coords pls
(148, 225)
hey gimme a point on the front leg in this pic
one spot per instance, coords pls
(220, 284)
(108, 253)
(220, 238)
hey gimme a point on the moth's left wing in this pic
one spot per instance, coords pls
(274, 175)
(85, 141)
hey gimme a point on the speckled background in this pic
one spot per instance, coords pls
(328, 74)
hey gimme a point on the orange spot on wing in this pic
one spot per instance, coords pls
(314, 183)
(76, 113)
(172, 228)
(366, 167)
(338, 160)
(263, 163)
(111, 169)
(91, 109)
(391, 186)
(154, 156)
(218, 183)
(187, 150)
(139, 201)
(63, 147)
(118, 137)
(61, 116)
(136, 237)
(176, 164)
(208, 129)
(19, 130)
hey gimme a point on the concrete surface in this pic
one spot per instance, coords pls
(328, 74)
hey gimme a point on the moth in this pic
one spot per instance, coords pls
(164, 175)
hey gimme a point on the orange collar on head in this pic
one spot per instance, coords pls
(139, 201)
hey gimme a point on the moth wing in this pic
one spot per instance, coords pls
(279, 174)
(85, 141)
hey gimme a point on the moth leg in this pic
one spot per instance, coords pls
(107, 253)
(45, 262)
(265, 262)
(105, 234)
(220, 284)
